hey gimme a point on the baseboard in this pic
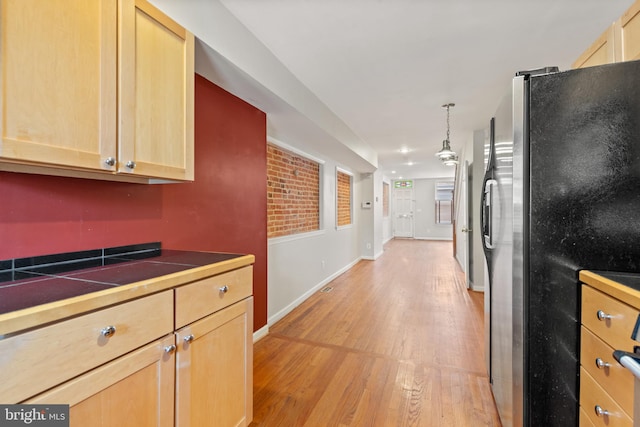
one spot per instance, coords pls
(375, 257)
(289, 308)
(261, 333)
(434, 238)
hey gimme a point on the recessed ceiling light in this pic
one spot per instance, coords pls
(409, 163)
(393, 171)
(404, 150)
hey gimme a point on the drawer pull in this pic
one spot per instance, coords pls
(601, 364)
(189, 338)
(601, 412)
(170, 349)
(108, 331)
(603, 316)
(224, 289)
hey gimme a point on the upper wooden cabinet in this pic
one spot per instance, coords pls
(630, 33)
(96, 89)
(620, 42)
(602, 51)
(156, 93)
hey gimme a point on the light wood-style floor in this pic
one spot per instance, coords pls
(397, 342)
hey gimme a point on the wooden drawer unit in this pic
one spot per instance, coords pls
(50, 355)
(584, 419)
(104, 396)
(596, 357)
(593, 397)
(199, 299)
(611, 320)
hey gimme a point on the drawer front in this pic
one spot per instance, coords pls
(584, 419)
(616, 330)
(615, 379)
(199, 299)
(592, 396)
(42, 358)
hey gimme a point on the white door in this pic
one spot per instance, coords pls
(403, 212)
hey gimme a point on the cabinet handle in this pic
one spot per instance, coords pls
(108, 331)
(601, 412)
(131, 164)
(224, 289)
(110, 161)
(170, 349)
(602, 364)
(603, 316)
(189, 338)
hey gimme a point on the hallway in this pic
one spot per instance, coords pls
(396, 342)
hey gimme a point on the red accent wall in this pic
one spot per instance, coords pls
(223, 210)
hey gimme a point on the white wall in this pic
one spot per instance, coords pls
(387, 226)
(473, 154)
(425, 227)
(299, 265)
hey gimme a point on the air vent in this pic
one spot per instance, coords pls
(326, 289)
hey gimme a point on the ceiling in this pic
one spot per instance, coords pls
(384, 68)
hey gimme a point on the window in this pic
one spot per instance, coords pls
(293, 193)
(344, 181)
(385, 200)
(444, 202)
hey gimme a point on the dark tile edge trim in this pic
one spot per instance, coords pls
(69, 261)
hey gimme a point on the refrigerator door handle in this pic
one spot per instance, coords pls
(486, 214)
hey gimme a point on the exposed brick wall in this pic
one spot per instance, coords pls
(344, 198)
(293, 193)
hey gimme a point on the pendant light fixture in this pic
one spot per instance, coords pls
(447, 155)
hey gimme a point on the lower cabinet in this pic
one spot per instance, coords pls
(214, 374)
(134, 390)
(127, 365)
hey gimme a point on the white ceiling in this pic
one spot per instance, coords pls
(385, 67)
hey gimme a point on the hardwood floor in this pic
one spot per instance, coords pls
(397, 342)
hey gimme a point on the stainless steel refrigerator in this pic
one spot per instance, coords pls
(561, 193)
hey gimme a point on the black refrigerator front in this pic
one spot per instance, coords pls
(567, 172)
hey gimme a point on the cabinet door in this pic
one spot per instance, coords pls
(630, 33)
(135, 390)
(214, 384)
(156, 89)
(58, 82)
(602, 51)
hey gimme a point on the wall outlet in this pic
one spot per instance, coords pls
(368, 245)
(322, 263)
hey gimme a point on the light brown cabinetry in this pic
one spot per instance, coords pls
(214, 369)
(215, 387)
(602, 51)
(620, 42)
(96, 89)
(50, 355)
(606, 388)
(134, 390)
(127, 365)
(630, 33)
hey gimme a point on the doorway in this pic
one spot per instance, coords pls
(403, 202)
(469, 227)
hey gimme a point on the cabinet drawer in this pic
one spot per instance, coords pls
(592, 396)
(616, 330)
(615, 379)
(584, 419)
(39, 359)
(199, 299)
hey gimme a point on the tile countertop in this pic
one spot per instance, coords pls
(36, 293)
(623, 286)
